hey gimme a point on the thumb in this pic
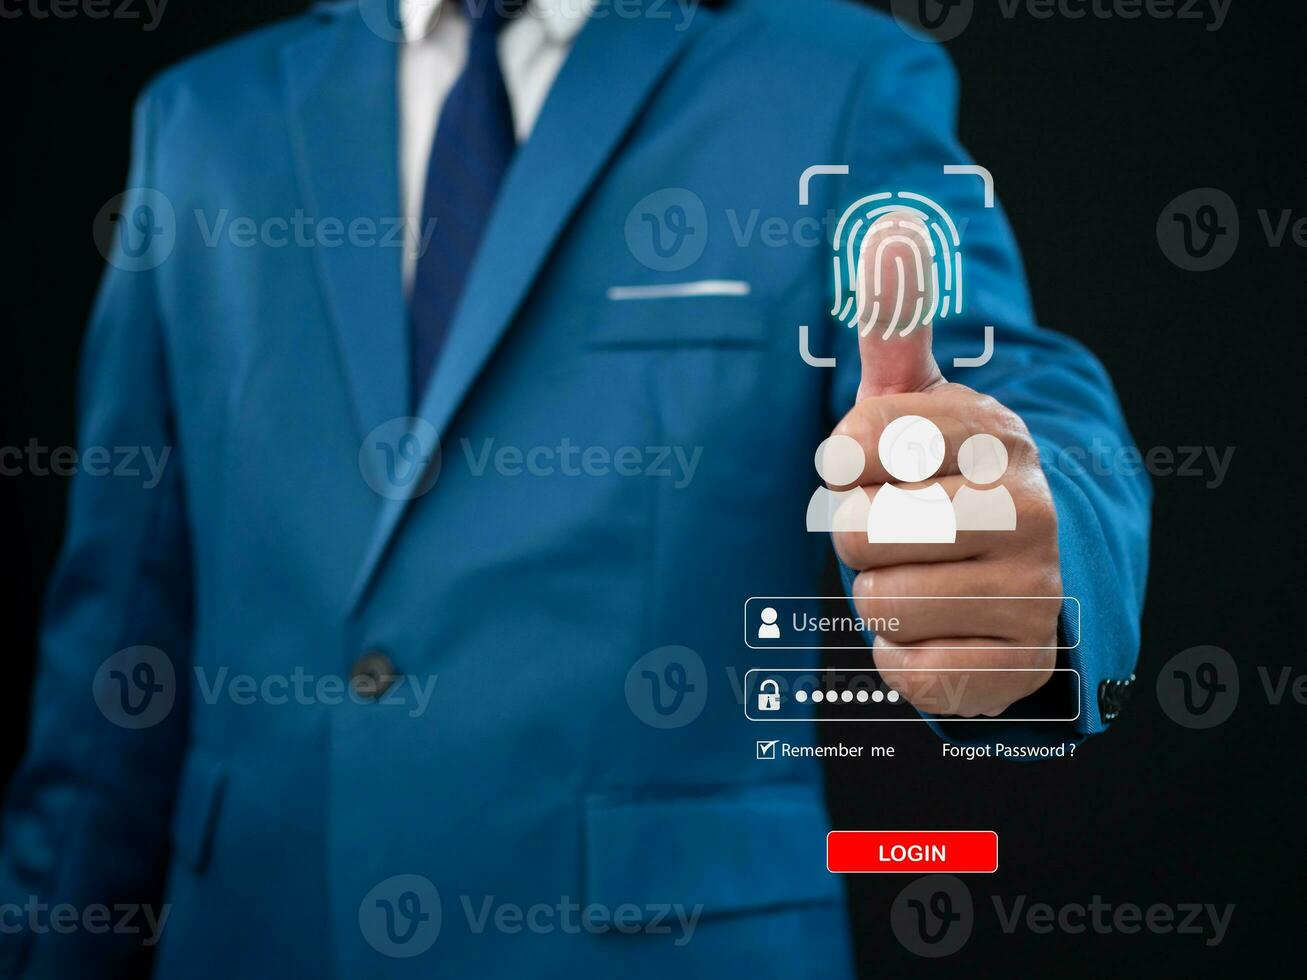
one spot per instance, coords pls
(898, 293)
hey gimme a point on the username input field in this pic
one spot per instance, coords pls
(799, 622)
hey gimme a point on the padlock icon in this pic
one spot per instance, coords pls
(769, 696)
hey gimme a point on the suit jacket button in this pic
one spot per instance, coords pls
(1105, 706)
(1112, 696)
(372, 675)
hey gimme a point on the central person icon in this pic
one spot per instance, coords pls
(912, 451)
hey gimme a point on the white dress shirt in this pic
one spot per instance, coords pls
(532, 49)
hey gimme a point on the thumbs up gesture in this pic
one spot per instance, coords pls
(902, 385)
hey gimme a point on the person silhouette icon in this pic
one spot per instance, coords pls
(769, 630)
(982, 460)
(912, 450)
(840, 462)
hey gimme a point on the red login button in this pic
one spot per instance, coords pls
(912, 851)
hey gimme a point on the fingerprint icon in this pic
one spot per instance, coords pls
(915, 272)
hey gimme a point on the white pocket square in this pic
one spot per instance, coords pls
(680, 290)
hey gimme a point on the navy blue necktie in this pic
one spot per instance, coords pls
(473, 146)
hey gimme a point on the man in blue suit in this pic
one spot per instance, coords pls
(354, 689)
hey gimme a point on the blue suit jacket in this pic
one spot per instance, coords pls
(267, 827)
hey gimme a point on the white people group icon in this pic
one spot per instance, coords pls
(912, 450)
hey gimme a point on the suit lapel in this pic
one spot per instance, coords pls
(341, 84)
(611, 72)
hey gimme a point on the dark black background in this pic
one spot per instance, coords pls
(1091, 127)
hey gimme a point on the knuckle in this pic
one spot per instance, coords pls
(850, 547)
(995, 414)
(1035, 619)
(888, 659)
(863, 425)
(1036, 511)
(863, 590)
(878, 607)
(1021, 448)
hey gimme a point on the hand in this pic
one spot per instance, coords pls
(900, 377)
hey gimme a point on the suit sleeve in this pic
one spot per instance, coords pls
(85, 817)
(901, 135)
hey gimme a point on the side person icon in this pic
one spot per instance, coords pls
(982, 460)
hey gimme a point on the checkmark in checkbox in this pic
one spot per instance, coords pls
(767, 750)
